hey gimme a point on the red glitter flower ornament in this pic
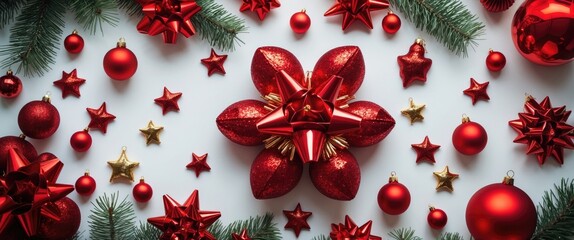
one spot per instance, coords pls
(168, 17)
(306, 119)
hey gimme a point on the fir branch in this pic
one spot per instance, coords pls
(321, 237)
(146, 231)
(449, 21)
(9, 8)
(111, 220)
(93, 13)
(217, 26)
(34, 37)
(259, 227)
(132, 7)
(451, 236)
(78, 236)
(556, 212)
(403, 234)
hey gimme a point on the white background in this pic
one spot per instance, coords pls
(226, 188)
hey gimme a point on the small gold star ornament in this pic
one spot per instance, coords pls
(444, 179)
(414, 111)
(123, 167)
(151, 133)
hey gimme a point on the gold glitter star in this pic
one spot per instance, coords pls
(444, 179)
(413, 112)
(123, 167)
(151, 133)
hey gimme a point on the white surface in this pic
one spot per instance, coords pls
(226, 188)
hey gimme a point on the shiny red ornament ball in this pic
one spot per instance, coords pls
(543, 31)
(74, 43)
(394, 198)
(142, 192)
(391, 23)
(337, 177)
(120, 63)
(18, 143)
(495, 61)
(10, 85)
(273, 174)
(496, 5)
(437, 218)
(300, 22)
(85, 185)
(63, 228)
(39, 119)
(81, 141)
(469, 138)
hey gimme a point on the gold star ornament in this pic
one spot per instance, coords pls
(414, 111)
(151, 133)
(444, 179)
(123, 168)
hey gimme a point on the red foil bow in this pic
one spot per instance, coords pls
(168, 17)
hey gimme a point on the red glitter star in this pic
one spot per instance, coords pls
(297, 219)
(425, 150)
(198, 164)
(261, 7)
(214, 63)
(414, 66)
(477, 91)
(70, 83)
(168, 101)
(100, 118)
(350, 230)
(356, 9)
(241, 236)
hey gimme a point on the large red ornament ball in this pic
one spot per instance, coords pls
(273, 174)
(391, 23)
(338, 177)
(394, 198)
(238, 122)
(376, 124)
(300, 22)
(543, 31)
(437, 218)
(81, 141)
(85, 185)
(469, 138)
(10, 85)
(66, 226)
(120, 63)
(495, 61)
(74, 43)
(18, 143)
(142, 192)
(500, 211)
(39, 119)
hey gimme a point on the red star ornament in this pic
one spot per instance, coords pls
(198, 164)
(214, 63)
(356, 10)
(184, 222)
(477, 91)
(242, 236)
(425, 150)
(70, 83)
(168, 17)
(168, 101)
(100, 118)
(350, 230)
(261, 7)
(414, 66)
(297, 219)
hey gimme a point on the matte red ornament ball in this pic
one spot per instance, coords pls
(74, 43)
(81, 141)
(300, 22)
(394, 198)
(469, 138)
(63, 228)
(120, 63)
(391, 23)
(437, 218)
(495, 61)
(85, 185)
(39, 119)
(10, 85)
(142, 191)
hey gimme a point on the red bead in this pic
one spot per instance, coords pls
(391, 23)
(120, 63)
(142, 192)
(300, 22)
(437, 218)
(39, 119)
(469, 138)
(495, 61)
(81, 141)
(394, 198)
(10, 85)
(74, 43)
(85, 185)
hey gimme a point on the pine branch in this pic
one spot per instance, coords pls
(404, 234)
(556, 212)
(111, 220)
(451, 236)
(146, 231)
(217, 26)
(259, 227)
(321, 237)
(93, 13)
(449, 21)
(132, 7)
(78, 236)
(34, 37)
(9, 8)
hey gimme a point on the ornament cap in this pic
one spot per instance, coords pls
(9, 72)
(465, 118)
(142, 180)
(75, 31)
(121, 42)
(431, 208)
(393, 177)
(46, 98)
(22, 136)
(87, 172)
(509, 178)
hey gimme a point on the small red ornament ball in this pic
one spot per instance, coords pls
(394, 198)
(142, 191)
(437, 218)
(45, 156)
(74, 43)
(469, 138)
(81, 141)
(10, 85)
(39, 119)
(120, 63)
(63, 228)
(495, 61)
(300, 22)
(391, 23)
(85, 185)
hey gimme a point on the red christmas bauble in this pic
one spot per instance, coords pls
(391, 23)
(500, 211)
(120, 63)
(81, 141)
(45, 156)
(18, 143)
(273, 174)
(66, 226)
(142, 192)
(495, 61)
(543, 31)
(496, 5)
(469, 138)
(300, 22)
(74, 43)
(39, 119)
(394, 198)
(10, 85)
(338, 177)
(376, 124)
(85, 185)
(238, 122)
(437, 218)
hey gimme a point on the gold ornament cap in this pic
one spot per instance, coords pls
(393, 177)
(121, 43)
(46, 98)
(465, 118)
(509, 178)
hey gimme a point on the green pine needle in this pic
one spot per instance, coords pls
(404, 234)
(93, 13)
(8, 9)
(259, 227)
(449, 21)
(556, 212)
(132, 7)
(451, 236)
(146, 231)
(321, 237)
(110, 220)
(217, 26)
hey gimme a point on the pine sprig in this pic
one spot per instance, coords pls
(219, 27)
(556, 212)
(449, 21)
(146, 231)
(110, 219)
(403, 234)
(8, 9)
(451, 236)
(93, 13)
(321, 237)
(259, 227)
(132, 7)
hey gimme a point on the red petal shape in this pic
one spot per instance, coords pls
(338, 177)
(346, 62)
(376, 124)
(274, 175)
(267, 62)
(238, 122)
